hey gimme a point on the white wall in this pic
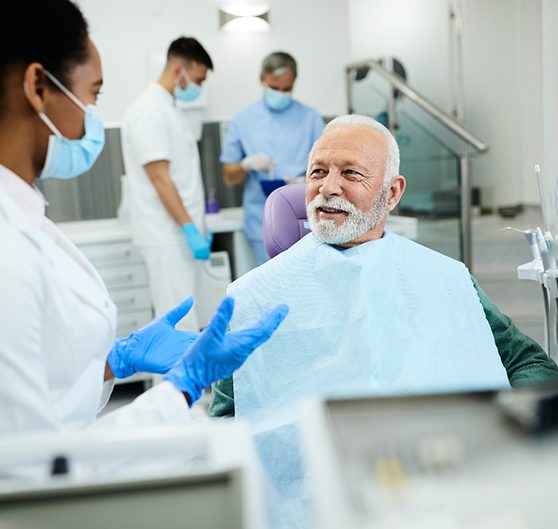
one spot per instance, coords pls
(416, 32)
(549, 77)
(493, 95)
(502, 54)
(530, 75)
(127, 32)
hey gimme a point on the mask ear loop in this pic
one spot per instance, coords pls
(66, 92)
(50, 125)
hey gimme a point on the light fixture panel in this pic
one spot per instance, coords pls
(244, 18)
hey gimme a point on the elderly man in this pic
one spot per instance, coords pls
(370, 311)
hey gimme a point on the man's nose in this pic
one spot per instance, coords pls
(332, 184)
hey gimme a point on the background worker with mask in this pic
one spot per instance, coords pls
(58, 356)
(165, 187)
(272, 136)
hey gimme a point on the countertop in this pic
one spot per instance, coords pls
(113, 230)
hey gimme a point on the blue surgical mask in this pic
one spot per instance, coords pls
(277, 100)
(69, 158)
(191, 92)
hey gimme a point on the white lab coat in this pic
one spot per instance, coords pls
(57, 326)
(155, 129)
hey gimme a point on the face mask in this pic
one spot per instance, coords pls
(277, 100)
(69, 158)
(191, 92)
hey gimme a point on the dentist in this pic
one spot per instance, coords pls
(272, 135)
(58, 357)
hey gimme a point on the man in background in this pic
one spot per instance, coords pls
(165, 186)
(269, 139)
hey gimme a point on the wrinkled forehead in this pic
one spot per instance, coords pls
(351, 145)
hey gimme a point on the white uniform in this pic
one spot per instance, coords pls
(154, 129)
(56, 328)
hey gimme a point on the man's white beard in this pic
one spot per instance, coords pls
(356, 223)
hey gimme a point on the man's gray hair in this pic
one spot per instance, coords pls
(359, 121)
(278, 63)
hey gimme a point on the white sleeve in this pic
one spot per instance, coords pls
(162, 404)
(26, 402)
(149, 136)
(108, 386)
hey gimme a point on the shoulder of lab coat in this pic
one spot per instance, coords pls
(22, 299)
(160, 405)
(146, 129)
(29, 311)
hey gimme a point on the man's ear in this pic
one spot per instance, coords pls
(176, 68)
(35, 86)
(396, 190)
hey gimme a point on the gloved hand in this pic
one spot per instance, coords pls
(257, 162)
(201, 248)
(216, 354)
(154, 348)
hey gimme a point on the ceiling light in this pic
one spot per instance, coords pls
(244, 17)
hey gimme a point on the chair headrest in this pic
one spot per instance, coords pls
(284, 220)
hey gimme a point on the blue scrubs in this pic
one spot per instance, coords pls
(286, 136)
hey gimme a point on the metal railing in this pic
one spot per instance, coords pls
(448, 121)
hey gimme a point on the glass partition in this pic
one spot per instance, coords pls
(429, 161)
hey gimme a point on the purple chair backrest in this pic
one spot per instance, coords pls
(284, 220)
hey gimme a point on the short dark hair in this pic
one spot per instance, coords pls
(190, 49)
(51, 32)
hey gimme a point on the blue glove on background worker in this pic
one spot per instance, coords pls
(216, 353)
(200, 246)
(154, 348)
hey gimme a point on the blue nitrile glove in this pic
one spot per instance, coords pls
(200, 247)
(154, 348)
(216, 354)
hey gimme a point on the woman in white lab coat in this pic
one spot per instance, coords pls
(58, 357)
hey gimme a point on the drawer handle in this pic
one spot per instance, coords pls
(116, 256)
(122, 279)
(127, 302)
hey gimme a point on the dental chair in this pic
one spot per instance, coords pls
(285, 219)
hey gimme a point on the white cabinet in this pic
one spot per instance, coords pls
(107, 244)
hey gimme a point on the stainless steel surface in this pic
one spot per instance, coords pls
(436, 112)
(395, 461)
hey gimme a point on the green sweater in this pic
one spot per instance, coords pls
(524, 359)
